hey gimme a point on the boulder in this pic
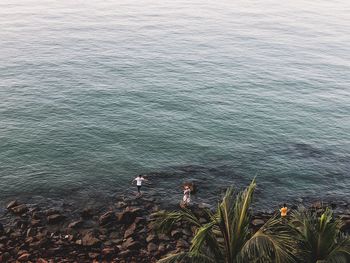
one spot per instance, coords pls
(131, 244)
(258, 222)
(12, 204)
(107, 218)
(35, 222)
(130, 231)
(108, 251)
(19, 209)
(87, 213)
(24, 257)
(90, 240)
(151, 247)
(176, 233)
(55, 218)
(150, 238)
(76, 224)
(128, 215)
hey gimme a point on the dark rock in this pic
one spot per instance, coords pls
(151, 247)
(87, 213)
(182, 244)
(128, 215)
(12, 204)
(24, 257)
(5, 257)
(76, 224)
(108, 251)
(93, 255)
(35, 222)
(107, 217)
(130, 231)
(121, 204)
(2, 230)
(90, 240)
(176, 233)
(151, 237)
(161, 248)
(31, 232)
(163, 237)
(55, 218)
(258, 222)
(131, 244)
(19, 209)
(125, 253)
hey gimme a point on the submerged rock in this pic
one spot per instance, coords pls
(19, 209)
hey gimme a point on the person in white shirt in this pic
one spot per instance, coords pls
(139, 180)
(187, 196)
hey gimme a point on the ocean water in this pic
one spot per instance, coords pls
(93, 93)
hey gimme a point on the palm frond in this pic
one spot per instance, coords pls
(164, 221)
(205, 242)
(273, 242)
(187, 257)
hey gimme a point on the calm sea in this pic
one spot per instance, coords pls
(93, 93)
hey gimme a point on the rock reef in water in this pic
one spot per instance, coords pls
(122, 233)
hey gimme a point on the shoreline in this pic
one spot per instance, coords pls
(120, 231)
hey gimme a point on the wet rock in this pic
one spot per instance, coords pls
(151, 237)
(35, 222)
(31, 232)
(93, 255)
(12, 204)
(163, 237)
(151, 247)
(41, 260)
(55, 218)
(161, 248)
(5, 257)
(24, 257)
(19, 209)
(131, 244)
(106, 218)
(125, 253)
(121, 204)
(90, 240)
(87, 213)
(128, 215)
(182, 244)
(130, 231)
(2, 230)
(176, 233)
(258, 222)
(76, 224)
(108, 251)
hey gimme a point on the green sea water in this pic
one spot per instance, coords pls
(93, 93)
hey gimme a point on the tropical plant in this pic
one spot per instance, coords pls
(226, 238)
(319, 237)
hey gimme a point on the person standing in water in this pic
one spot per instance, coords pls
(187, 196)
(139, 181)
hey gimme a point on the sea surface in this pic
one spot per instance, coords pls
(93, 93)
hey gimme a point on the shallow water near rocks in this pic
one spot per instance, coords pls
(93, 94)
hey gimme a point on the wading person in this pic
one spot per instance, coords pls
(187, 196)
(139, 181)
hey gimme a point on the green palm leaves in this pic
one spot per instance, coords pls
(319, 237)
(227, 238)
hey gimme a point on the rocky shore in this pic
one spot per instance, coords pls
(121, 233)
